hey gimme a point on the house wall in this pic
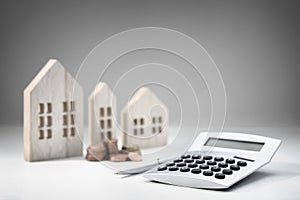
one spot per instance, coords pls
(54, 88)
(99, 103)
(137, 123)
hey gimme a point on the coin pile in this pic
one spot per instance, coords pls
(108, 150)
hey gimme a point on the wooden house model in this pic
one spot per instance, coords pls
(53, 115)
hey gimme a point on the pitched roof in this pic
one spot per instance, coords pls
(51, 64)
(143, 94)
(101, 87)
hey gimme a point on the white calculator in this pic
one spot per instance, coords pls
(217, 160)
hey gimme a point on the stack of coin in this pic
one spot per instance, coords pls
(108, 150)
(96, 152)
(134, 153)
(127, 156)
(119, 157)
(134, 156)
(112, 147)
(131, 149)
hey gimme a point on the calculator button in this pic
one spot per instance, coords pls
(196, 171)
(200, 161)
(223, 165)
(208, 173)
(218, 158)
(170, 164)
(227, 171)
(178, 160)
(185, 169)
(235, 167)
(215, 169)
(207, 157)
(220, 176)
(211, 162)
(203, 166)
(196, 156)
(162, 168)
(181, 165)
(173, 168)
(189, 161)
(192, 165)
(185, 156)
(241, 163)
(230, 161)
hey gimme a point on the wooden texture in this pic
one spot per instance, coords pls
(53, 115)
(102, 109)
(145, 120)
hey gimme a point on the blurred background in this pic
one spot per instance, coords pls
(255, 45)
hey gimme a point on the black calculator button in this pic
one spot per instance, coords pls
(196, 171)
(178, 160)
(208, 173)
(192, 165)
(223, 165)
(170, 164)
(173, 168)
(162, 168)
(220, 175)
(235, 167)
(230, 161)
(218, 158)
(189, 161)
(200, 161)
(207, 157)
(227, 171)
(203, 166)
(181, 164)
(196, 156)
(185, 156)
(211, 162)
(215, 169)
(185, 169)
(241, 163)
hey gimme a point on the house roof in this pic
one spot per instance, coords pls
(101, 87)
(143, 93)
(41, 74)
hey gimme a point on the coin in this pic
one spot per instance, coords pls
(114, 141)
(96, 152)
(111, 147)
(134, 156)
(118, 157)
(96, 148)
(90, 157)
(131, 149)
(108, 150)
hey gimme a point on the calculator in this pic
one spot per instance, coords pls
(216, 160)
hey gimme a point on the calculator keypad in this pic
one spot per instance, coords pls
(206, 165)
(241, 163)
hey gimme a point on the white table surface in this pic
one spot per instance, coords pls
(76, 178)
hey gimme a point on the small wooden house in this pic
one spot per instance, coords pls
(144, 120)
(102, 107)
(53, 115)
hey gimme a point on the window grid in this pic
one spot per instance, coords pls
(105, 122)
(69, 119)
(138, 126)
(157, 123)
(45, 120)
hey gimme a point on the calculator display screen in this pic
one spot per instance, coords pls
(234, 144)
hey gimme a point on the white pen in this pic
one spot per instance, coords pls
(142, 169)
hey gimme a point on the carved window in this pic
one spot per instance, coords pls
(45, 120)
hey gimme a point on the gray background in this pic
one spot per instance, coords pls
(254, 43)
